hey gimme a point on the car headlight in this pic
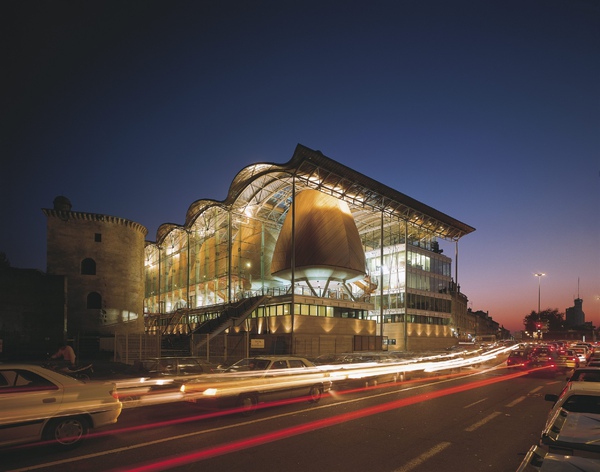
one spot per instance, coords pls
(210, 392)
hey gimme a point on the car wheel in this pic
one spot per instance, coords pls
(66, 432)
(248, 403)
(315, 393)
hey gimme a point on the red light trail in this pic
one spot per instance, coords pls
(310, 426)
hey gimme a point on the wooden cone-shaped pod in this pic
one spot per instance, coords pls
(328, 245)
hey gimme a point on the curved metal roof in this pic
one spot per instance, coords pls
(264, 190)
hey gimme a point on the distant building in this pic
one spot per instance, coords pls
(485, 326)
(574, 316)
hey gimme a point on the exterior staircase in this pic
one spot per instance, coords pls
(233, 315)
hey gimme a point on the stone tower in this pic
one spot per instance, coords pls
(102, 258)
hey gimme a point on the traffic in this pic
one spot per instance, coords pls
(271, 384)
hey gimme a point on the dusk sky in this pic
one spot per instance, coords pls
(486, 110)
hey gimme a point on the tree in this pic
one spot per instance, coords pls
(552, 319)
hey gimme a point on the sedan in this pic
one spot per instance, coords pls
(519, 358)
(567, 359)
(585, 374)
(39, 404)
(546, 360)
(576, 397)
(158, 379)
(258, 379)
(173, 367)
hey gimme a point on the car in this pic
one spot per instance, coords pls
(595, 357)
(582, 353)
(567, 359)
(588, 346)
(519, 358)
(577, 397)
(572, 433)
(361, 369)
(159, 379)
(173, 367)
(585, 374)
(253, 380)
(545, 360)
(41, 404)
(569, 442)
(537, 460)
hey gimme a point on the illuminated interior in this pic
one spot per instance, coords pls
(314, 224)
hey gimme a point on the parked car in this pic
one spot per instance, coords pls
(577, 397)
(538, 460)
(569, 442)
(572, 433)
(40, 404)
(258, 379)
(585, 374)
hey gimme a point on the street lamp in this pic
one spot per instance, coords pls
(539, 275)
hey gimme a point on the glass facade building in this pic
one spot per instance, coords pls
(323, 250)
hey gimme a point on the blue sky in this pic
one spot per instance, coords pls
(485, 110)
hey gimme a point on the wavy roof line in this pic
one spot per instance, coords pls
(312, 169)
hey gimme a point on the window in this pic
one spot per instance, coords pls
(583, 404)
(94, 300)
(88, 267)
(12, 381)
(279, 365)
(98, 237)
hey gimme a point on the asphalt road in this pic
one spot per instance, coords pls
(484, 420)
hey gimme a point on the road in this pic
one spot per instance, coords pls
(482, 419)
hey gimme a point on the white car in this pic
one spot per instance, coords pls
(538, 460)
(40, 404)
(582, 353)
(258, 379)
(576, 397)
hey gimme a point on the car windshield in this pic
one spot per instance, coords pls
(246, 365)
(583, 404)
(517, 354)
(586, 376)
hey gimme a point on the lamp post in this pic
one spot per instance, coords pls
(539, 275)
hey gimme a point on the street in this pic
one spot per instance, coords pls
(476, 420)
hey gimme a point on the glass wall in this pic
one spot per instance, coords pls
(226, 255)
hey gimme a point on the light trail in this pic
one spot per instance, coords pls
(309, 427)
